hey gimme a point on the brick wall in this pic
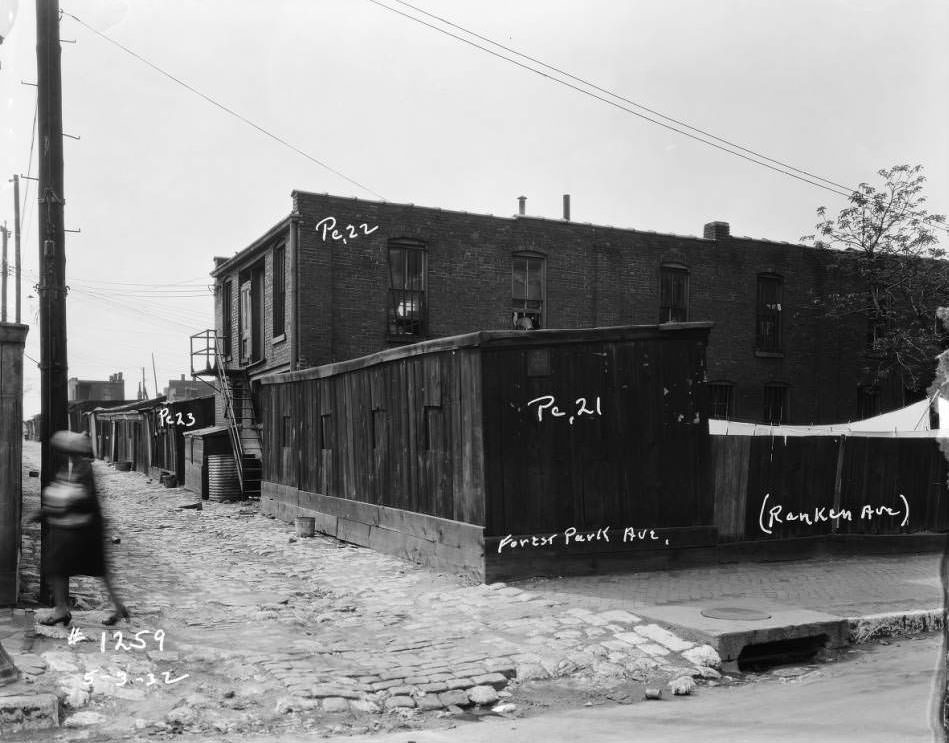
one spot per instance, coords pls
(595, 276)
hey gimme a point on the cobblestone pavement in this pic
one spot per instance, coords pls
(845, 586)
(263, 632)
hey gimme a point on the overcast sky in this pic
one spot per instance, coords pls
(161, 180)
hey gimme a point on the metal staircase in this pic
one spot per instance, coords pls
(240, 413)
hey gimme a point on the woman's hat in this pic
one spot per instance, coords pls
(70, 442)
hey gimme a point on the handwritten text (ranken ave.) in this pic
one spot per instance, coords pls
(768, 517)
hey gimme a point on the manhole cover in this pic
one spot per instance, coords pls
(734, 612)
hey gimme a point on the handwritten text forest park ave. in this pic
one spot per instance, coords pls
(768, 517)
(572, 536)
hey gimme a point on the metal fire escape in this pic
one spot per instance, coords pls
(240, 414)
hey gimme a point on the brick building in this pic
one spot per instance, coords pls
(340, 278)
(88, 389)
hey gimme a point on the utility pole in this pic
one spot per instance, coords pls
(144, 388)
(52, 249)
(155, 375)
(3, 279)
(16, 240)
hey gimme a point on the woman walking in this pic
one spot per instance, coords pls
(76, 533)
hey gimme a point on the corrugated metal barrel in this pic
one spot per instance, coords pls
(222, 478)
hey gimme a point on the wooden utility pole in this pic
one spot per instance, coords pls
(16, 240)
(3, 271)
(52, 257)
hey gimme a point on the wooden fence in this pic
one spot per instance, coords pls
(872, 484)
(440, 450)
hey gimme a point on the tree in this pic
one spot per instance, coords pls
(892, 271)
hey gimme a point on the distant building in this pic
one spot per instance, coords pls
(86, 389)
(186, 389)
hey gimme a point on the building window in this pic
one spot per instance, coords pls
(527, 292)
(406, 313)
(279, 290)
(673, 294)
(775, 404)
(226, 314)
(868, 401)
(768, 331)
(250, 317)
(720, 400)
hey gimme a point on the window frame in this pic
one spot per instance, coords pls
(227, 323)
(278, 289)
(666, 310)
(729, 402)
(764, 312)
(396, 296)
(519, 305)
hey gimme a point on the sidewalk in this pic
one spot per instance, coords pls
(845, 586)
(264, 633)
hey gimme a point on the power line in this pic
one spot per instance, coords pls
(596, 87)
(832, 187)
(224, 108)
(620, 106)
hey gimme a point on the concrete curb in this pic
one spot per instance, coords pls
(895, 624)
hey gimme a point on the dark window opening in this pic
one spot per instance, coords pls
(673, 294)
(279, 290)
(527, 292)
(250, 315)
(406, 311)
(768, 330)
(720, 400)
(775, 404)
(227, 308)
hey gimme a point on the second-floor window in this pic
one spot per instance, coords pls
(527, 292)
(227, 308)
(673, 294)
(279, 290)
(406, 310)
(768, 328)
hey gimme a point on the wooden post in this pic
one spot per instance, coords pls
(3, 274)
(12, 340)
(52, 248)
(16, 240)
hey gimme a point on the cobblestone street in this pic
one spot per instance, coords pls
(268, 632)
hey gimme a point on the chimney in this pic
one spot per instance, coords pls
(219, 260)
(521, 204)
(182, 377)
(566, 207)
(716, 231)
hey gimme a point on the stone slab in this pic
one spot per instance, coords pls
(729, 637)
(28, 712)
